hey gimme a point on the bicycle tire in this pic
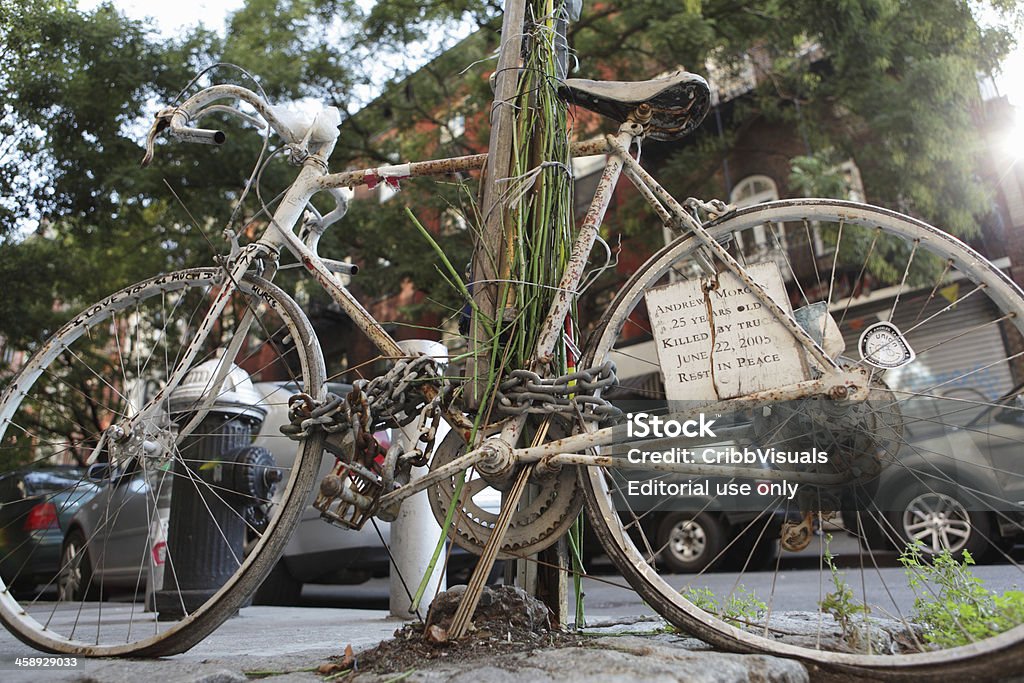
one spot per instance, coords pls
(89, 375)
(620, 531)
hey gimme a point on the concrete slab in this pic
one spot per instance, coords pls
(287, 644)
(277, 639)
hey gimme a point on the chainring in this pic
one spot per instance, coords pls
(554, 504)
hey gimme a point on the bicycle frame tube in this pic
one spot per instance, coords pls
(551, 330)
(305, 186)
(312, 180)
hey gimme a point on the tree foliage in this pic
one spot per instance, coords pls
(893, 86)
(890, 83)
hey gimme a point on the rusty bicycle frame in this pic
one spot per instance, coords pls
(314, 177)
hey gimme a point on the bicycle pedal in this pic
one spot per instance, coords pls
(348, 495)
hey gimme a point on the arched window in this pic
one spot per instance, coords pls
(757, 189)
(754, 189)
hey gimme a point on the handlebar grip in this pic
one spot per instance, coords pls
(202, 136)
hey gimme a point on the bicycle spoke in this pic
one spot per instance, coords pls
(905, 428)
(105, 377)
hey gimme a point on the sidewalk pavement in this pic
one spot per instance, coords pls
(286, 644)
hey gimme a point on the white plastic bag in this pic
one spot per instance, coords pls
(321, 126)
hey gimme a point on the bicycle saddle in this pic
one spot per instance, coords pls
(678, 101)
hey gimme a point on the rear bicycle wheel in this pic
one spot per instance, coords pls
(177, 529)
(942, 417)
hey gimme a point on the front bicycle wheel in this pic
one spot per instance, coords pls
(936, 330)
(134, 519)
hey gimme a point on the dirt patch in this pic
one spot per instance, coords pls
(507, 621)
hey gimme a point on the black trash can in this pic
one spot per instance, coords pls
(221, 487)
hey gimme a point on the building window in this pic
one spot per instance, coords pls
(757, 189)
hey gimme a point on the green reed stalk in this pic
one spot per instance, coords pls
(539, 234)
(542, 221)
(541, 230)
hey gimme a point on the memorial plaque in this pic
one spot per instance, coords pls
(724, 342)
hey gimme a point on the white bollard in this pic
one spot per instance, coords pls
(414, 533)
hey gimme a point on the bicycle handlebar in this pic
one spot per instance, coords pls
(202, 136)
(174, 119)
(173, 122)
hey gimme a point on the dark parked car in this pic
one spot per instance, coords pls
(35, 507)
(708, 532)
(123, 527)
(697, 529)
(957, 487)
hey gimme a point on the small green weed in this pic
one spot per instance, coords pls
(741, 607)
(702, 597)
(840, 603)
(951, 605)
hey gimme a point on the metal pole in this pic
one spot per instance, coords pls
(490, 260)
(414, 533)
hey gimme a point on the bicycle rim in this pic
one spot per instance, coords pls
(167, 534)
(950, 306)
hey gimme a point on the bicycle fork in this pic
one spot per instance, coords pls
(122, 432)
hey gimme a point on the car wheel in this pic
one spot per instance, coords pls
(934, 516)
(279, 588)
(74, 583)
(689, 542)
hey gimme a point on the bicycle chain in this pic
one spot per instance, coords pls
(571, 394)
(392, 399)
(388, 400)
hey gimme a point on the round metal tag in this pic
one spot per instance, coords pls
(884, 346)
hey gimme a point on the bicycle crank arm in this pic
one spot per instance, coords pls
(463, 462)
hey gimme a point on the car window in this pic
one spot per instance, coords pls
(45, 483)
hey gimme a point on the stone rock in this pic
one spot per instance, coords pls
(632, 658)
(222, 676)
(501, 609)
(622, 659)
(811, 629)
